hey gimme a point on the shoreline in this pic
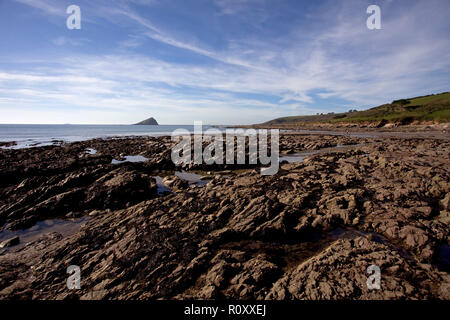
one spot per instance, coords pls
(289, 130)
(323, 218)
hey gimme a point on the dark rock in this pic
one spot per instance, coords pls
(308, 232)
(149, 122)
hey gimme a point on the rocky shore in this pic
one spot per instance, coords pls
(308, 232)
(375, 126)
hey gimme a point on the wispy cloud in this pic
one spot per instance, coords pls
(157, 34)
(61, 41)
(48, 6)
(334, 65)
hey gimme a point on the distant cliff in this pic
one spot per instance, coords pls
(148, 122)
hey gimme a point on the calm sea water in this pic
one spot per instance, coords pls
(37, 135)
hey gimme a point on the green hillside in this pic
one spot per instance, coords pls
(314, 118)
(435, 107)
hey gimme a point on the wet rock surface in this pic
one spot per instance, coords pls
(308, 232)
(53, 181)
(10, 242)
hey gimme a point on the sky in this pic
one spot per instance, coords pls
(216, 61)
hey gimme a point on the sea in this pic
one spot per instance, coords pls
(32, 135)
(35, 135)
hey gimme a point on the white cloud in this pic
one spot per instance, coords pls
(62, 41)
(338, 58)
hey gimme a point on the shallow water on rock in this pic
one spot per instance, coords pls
(91, 151)
(444, 258)
(192, 178)
(161, 188)
(64, 227)
(296, 157)
(137, 158)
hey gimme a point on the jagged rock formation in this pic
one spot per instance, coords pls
(308, 232)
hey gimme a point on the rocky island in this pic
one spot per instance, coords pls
(148, 122)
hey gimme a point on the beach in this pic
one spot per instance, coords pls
(140, 227)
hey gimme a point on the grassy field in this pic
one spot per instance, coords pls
(435, 108)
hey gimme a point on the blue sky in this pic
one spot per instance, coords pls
(219, 61)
